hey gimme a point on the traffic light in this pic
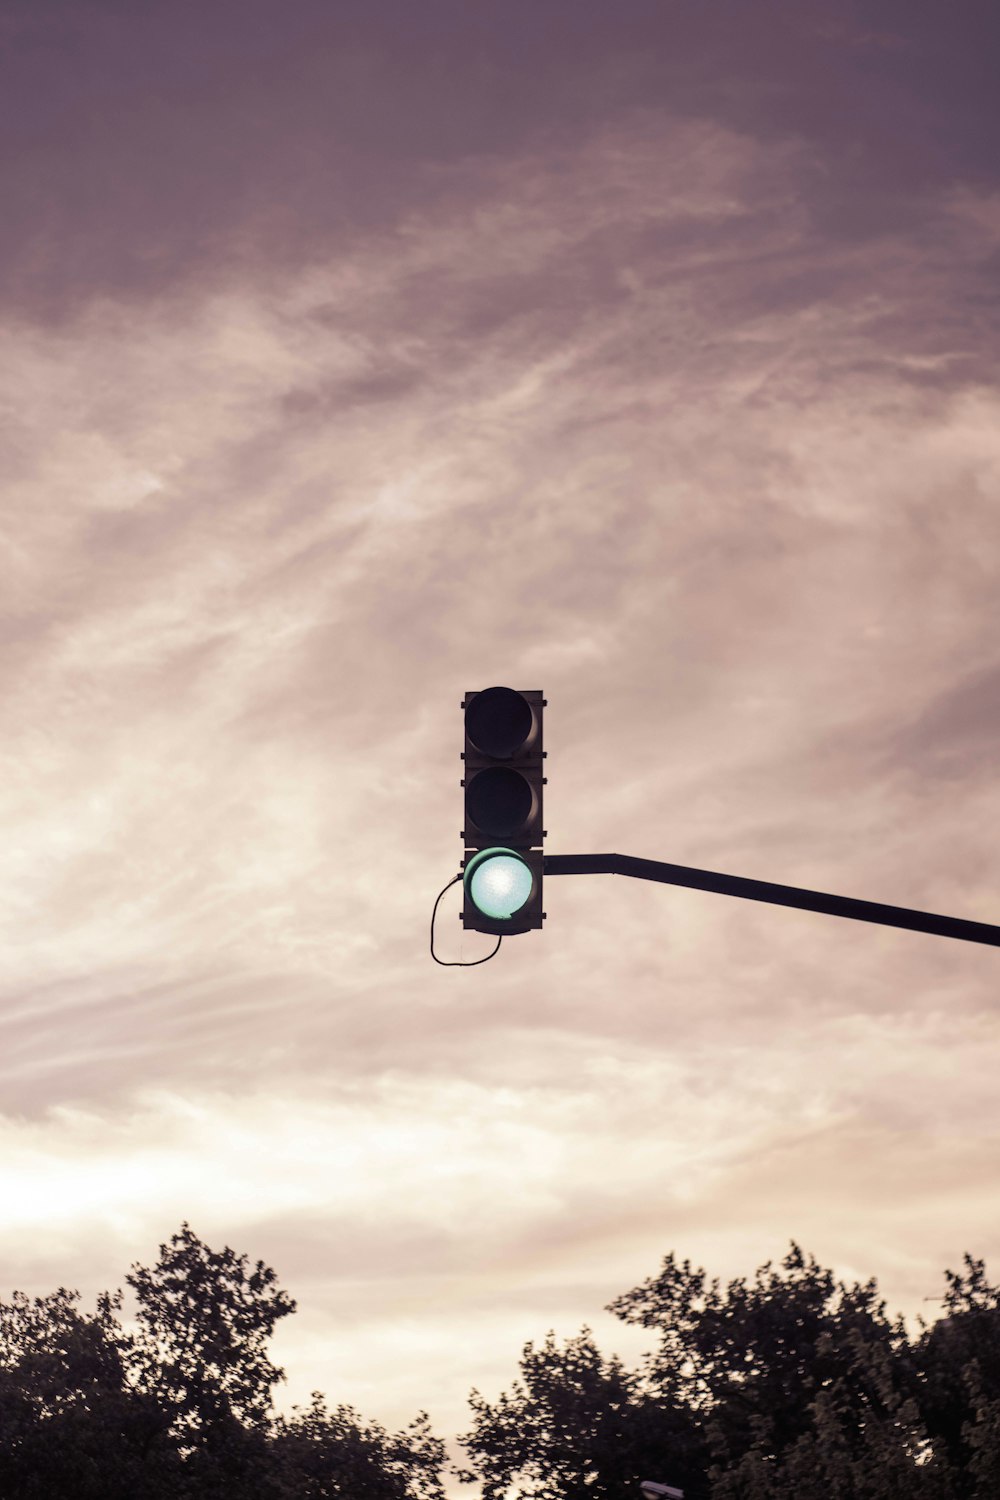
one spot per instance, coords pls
(503, 829)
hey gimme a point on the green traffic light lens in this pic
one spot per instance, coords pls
(499, 883)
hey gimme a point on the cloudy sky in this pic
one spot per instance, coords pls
(358, 354)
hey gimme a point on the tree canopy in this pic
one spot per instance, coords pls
(178, 1405)
(787, 1384)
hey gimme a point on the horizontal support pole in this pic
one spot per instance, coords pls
(777, 895)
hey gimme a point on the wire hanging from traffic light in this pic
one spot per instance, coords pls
(459, 963)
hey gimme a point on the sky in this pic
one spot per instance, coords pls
(358, 355)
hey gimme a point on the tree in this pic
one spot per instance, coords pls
(180, 1406)
(864, 1441)
(787, 1384)
(203, 1320)
(323, 1455)
(959, 1359)
(576, 1421)
(750, 1356)
(199, 1357)
(71, 1425)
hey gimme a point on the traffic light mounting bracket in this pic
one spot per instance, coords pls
(776, 895)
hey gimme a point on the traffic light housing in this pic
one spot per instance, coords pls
(503, 829)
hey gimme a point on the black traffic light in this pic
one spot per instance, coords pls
(503, 830)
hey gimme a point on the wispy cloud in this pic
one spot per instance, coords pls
(623, 411)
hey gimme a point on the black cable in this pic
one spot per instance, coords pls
(457, 963)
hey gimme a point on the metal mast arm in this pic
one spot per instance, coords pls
(777, 895)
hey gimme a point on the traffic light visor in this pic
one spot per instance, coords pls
(498, 882)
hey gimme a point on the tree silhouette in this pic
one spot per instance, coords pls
(576, 1421)
(959, 1357)
(789, 1384)
(179, 1407)
(325, 1455)
(203, 1322)
(71, 1423)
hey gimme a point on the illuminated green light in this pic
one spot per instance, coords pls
(499, 882)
